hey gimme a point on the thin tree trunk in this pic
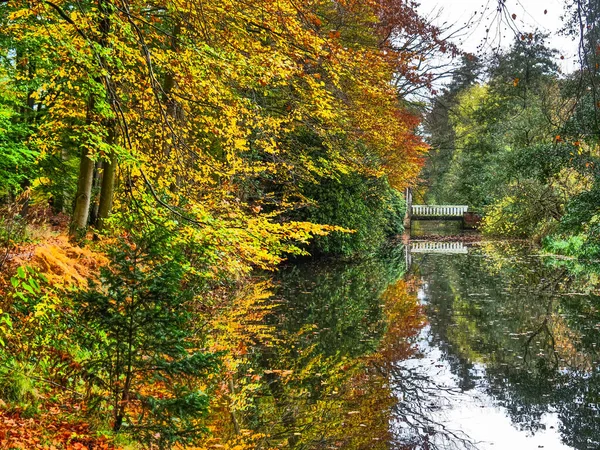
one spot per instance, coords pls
(234, 419)
(108, 174)
(408, 214)
(107, 190)
(174, 110)
(59, 199)
(86, 169)
(98, 168)
(83, 197)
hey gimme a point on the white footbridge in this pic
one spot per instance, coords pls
(438, 211)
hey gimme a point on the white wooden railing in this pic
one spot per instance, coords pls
(439, 210)
(438, 247)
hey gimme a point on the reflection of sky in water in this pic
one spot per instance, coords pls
(471, 412)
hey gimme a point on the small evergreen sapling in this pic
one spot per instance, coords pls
(137, 326)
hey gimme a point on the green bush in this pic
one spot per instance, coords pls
(578, 234)
(137, 330)
(17, 160)
(17, 387)
(583, 244)
(368, 206)
(532, 210)
(566, 245)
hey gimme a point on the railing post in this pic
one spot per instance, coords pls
(409, 208)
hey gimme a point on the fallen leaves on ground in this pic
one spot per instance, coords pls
(49, 431)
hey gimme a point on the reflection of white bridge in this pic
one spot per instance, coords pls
(438, 247)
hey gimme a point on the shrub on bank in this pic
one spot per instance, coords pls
(368, 206)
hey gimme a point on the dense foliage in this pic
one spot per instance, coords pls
(152, 157)
(517, 141)
(368, 206)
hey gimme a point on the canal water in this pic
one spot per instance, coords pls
(484, 346)
(514, 335)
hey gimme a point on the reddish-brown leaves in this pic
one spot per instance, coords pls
(50, 431)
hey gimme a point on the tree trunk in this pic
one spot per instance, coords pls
(83, 196)
(98, 168)
(86, 169)
(107, 190)
(408, 213)
(174, 110)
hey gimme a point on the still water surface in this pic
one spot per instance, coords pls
(495, 347)
(517, 335)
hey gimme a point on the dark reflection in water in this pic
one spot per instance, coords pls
(486, 347)
(519, 335)
(336, 377)
(339, 325)
(436, 227)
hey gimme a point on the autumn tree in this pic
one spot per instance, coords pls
(201, 139)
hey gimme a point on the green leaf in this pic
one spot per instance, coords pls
(28, 288)
(35, 285)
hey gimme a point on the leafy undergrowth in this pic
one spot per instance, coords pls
(50, 430)
(36, 410)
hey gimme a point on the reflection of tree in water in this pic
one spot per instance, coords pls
(341, 302)
(579, 411)
(316, 392)
(579, 400)
(519, 316)
(333, 379)
(414, 424)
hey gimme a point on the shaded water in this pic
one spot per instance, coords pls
(492, 347)
(435, 227)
